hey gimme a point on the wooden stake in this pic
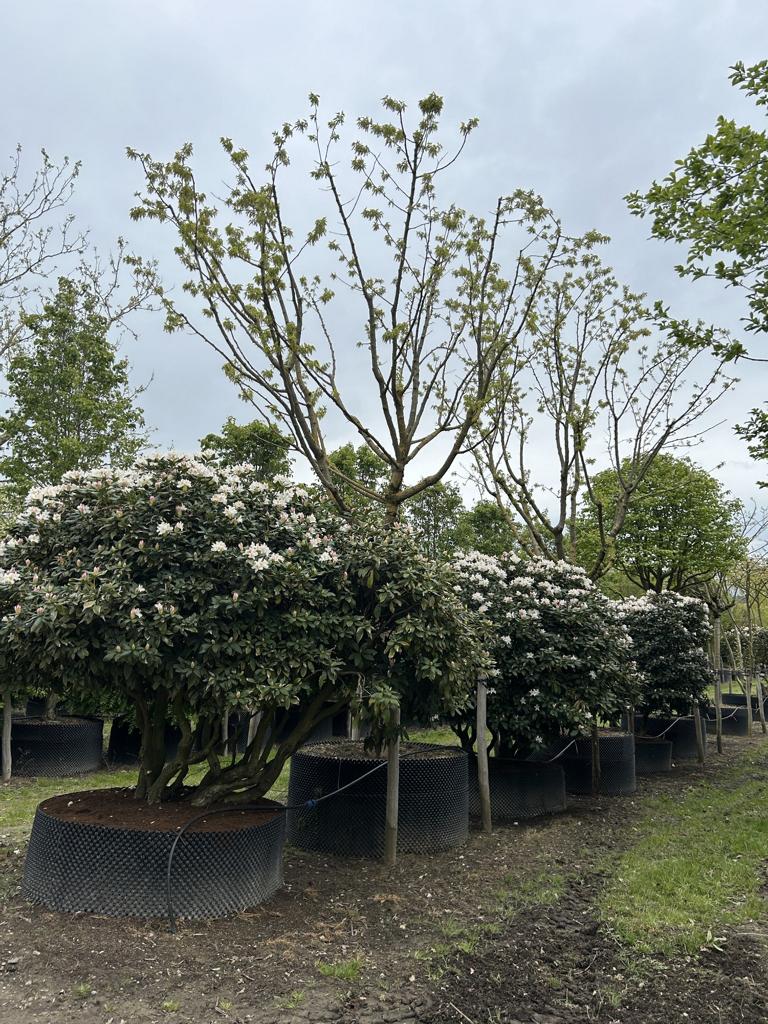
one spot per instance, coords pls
(699, 733)
(748, 696)
(7, 723)
(595, 760)
(760, 704)
(393, 793)
(483, 780)
(718, 684)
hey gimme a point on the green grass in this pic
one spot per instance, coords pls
(440, 735)
(698, 867)
(293, 1000)
(342, 970)
(539, 890)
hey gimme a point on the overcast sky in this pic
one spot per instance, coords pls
(581, 101)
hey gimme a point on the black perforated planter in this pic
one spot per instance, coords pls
(519, 789)
(735, 721)
(740, 700)
(652, 756)
(73, 866)
(65, 746)
(617, 765)
(681, 732)
(434, 810)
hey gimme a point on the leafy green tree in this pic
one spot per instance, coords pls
(359, 473)
(679, 532)
(486, 528)
(262, 445)
(714, 202)
(435, 516)
(72, 406)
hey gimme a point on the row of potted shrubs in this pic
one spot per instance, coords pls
(181, 593)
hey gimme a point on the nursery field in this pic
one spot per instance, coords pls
(635, 910)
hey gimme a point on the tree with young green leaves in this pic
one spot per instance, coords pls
(680, 531)
(714, 203)
(71, 402)
(431, 299)
(600, 383)
(262, 445)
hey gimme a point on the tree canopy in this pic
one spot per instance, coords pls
(260, 444)
(562, 656)
(679, 532)
(71, 402)
(714, 202)
(670, 636)
(439, 295)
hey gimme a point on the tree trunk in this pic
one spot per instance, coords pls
(51, 702)
(760, 704)
(253, 725)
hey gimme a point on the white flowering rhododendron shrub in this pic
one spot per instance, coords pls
(562, 654)
(191, 589)
(670, 634)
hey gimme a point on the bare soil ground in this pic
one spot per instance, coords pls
(505, 929)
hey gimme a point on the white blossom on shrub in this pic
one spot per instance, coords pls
(281, 606)
(562, 653)
(670, 633)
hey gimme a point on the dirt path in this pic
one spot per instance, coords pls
(503, 930)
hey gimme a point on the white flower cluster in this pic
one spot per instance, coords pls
(526, 587)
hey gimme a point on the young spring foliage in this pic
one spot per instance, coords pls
(192, 588)
(435, 297)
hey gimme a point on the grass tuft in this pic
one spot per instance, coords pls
(342, 970)
(697, 869)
